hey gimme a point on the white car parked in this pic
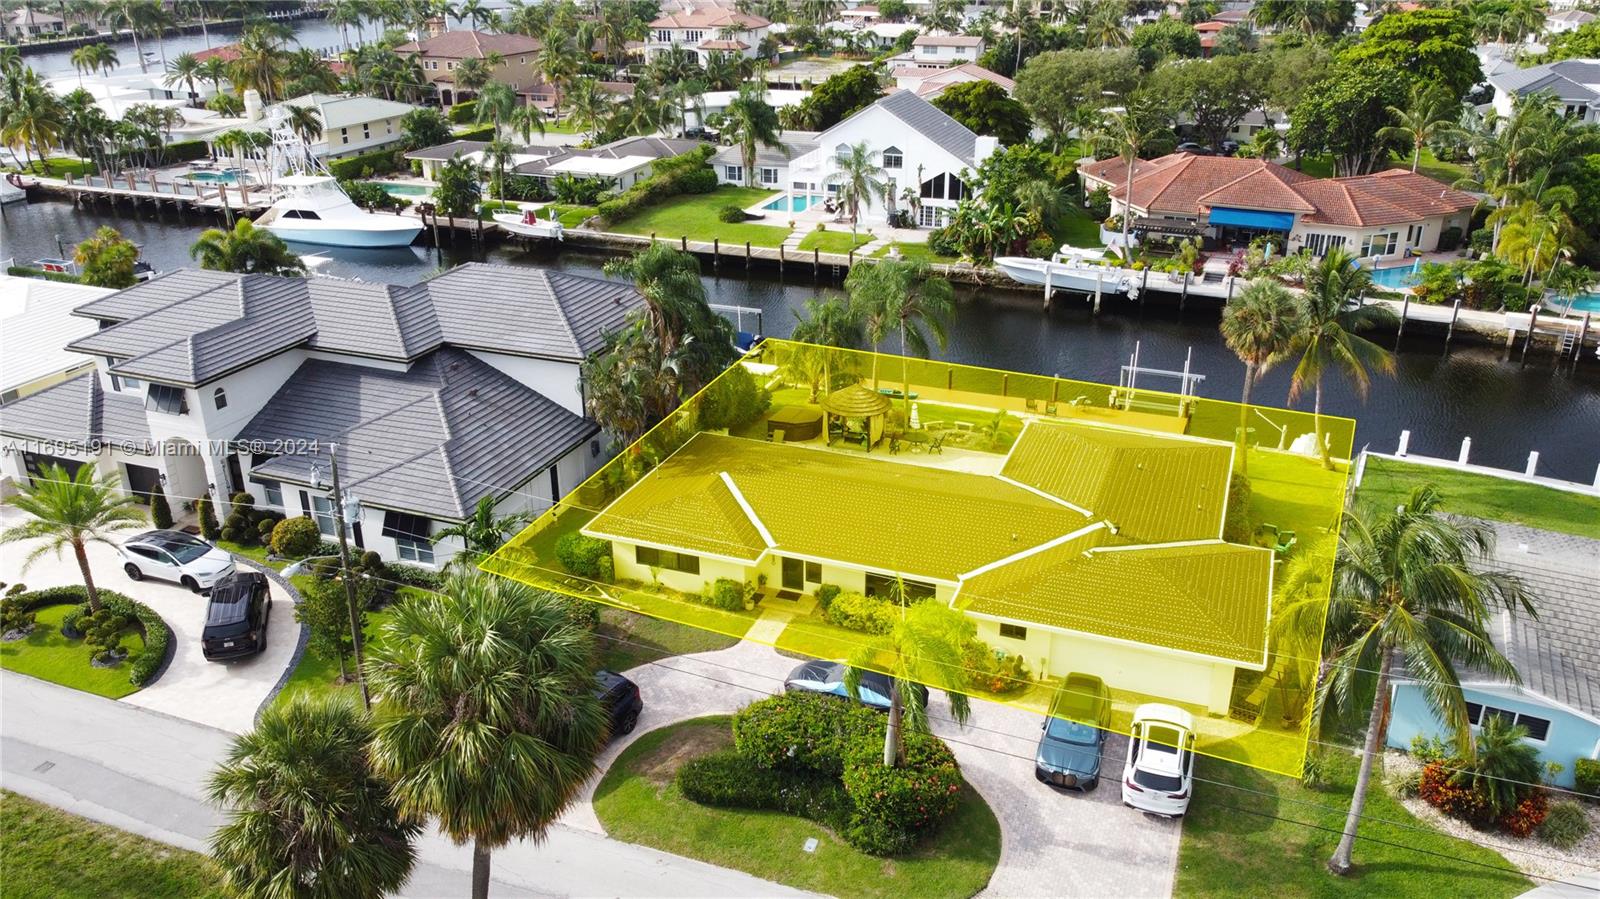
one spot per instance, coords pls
(175, 556)
(1158, 776)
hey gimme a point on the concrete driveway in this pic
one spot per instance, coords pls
(1052, 844)
(223, 695)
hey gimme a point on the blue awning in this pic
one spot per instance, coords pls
(1252, 218)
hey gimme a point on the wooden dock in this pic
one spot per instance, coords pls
(180, 194)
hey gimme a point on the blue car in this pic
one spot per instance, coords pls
(828, 677)
(1074, 734)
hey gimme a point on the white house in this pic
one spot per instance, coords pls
(27, 22)
(928, 83)
(1575, 83)
(436, 395)
(942, 50)
(1381, 216)
(352, 125)
(1568, 20)
(36, 324)
(772, 163)
(707, 30)
(912, 142)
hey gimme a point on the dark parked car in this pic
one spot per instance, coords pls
(1074, 734)
(1230, 147)
(236, 616)
(621, 698)
(818, 676)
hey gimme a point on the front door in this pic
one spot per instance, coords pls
(794, 574)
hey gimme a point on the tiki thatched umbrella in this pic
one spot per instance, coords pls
(858, 402)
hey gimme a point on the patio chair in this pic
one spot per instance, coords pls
(1286, 542)
(937, 446)
(894, 445)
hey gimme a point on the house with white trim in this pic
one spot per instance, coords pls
(1574, 83)
(433, 395)
(705, 31)
(940, 51)
(929, 83)
(36, 324)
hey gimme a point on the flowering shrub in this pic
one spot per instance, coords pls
(1528, 814)
(802, 731)
(862, 613)
(1439, 790)
(894, 806)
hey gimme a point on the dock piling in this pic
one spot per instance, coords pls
(1455, 311)
(1183, 298)
(716, 253)
(1533, 325)
(1405, 309)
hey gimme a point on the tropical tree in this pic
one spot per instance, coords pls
(215, 70)
(307, 814)
(1331, 317)
(497, 104)
(87, 58)
(472, 10)
(925, 647)
(33, 118)
(306, 121)
(71, 511)
(1104, 28)
(485, 531)
(107, 259)
(750, 123)
(1410, 585)
(1125, 133)
(902, 297)
(588, 107)
(1430, 114)
(345, 13)
(828, 324)
(1503, 765)
(185, 70)
(471, 75)
(499, 154)
(486, 717)
(133, 16)
(246, 250)
(859, 179)
(260, 64)
(1259, 325)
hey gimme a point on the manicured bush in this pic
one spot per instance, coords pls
(264, 529)
(187, 150)
(295, 538)
(1526, 816)
(15, 616)
(728, 780)
(208, 518)
(826, 594)
(992, 671)
(1237, 525)
(1041, 248)
(1586, 775)
(581, 554)
(862, 613)
(730, 214)
(684, 173)
(462, 113)
(1564, 825)
(894, 807)
(943, 242)
(724, 593)
(102, 633)
(803, 732)
(1450, 238)
(365, 165)
(1439, 789)
(157, 635)
(160, 512)
(484, 133)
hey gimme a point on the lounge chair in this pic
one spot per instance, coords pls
(937, 446)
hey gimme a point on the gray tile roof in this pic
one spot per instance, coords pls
(79, 410)
(1568, 79)
(1557, 655)
(431, 440)
(448, 151)
(654, 147)
(190, 327)
(931, 122)
(795, 145)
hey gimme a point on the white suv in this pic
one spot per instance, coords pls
(1158, 776)
(175, 556)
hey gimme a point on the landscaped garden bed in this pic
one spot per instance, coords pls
(911, 831)
(110, 654)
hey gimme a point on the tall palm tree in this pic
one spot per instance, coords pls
(132, 15)
(306, 121)
(308, 815)
(72, 511)
(830, 324)
(751, 123)
(200, 11)
(499, 154)
(588, 107)
(34, 120)
(1430, 113)
(558, 63)
(260, 64)
(1126, 132)
(898, 296)
(1259, 325)
(1507, 148)
(471, 10)
(497, 104)
(214, 70)
(486, 716)
(485, 531)
(471, 74)
(1330, 319)
(1409, 585)
(85, 59)
(247, 250)
(1104, 28)
(345, 13)
(858, 178)
(925, 647)
(186, 70)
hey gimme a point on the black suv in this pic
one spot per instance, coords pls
(620, 696)
(236, 616)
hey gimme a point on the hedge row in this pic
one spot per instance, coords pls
(19, 271)
(378, 162)
(686, 173)
(157, 635)
(484, 133)
(465, 112)
(187, 150)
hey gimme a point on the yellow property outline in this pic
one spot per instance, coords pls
(1291, 491)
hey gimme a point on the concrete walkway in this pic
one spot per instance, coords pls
(145, 772)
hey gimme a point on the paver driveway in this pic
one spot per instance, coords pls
(219, 694)
(1051, 844)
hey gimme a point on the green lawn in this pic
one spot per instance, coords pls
(915, 252)
(572, 216)
(45, 852)
(628, 640)
(1077, 229)
(639, 802)
(60, 166)
(840, 242)
(256, 554)
(47, 655)
(695, 216)
(316, 672)
(1276, 840)
(1386, 483)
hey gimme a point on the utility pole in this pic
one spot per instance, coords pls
(349, 582)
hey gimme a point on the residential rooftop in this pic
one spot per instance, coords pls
(471, 44)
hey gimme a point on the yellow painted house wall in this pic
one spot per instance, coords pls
(627, 568)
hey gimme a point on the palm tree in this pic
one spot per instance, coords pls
(499, 154)
(486, 716)
(925, 647)
(558, 63)
(306, 121)
(1430, 113)
(308, 816)
(1104, 28)
(471, 74)
(829, 324)
(1259, 325)
(198, 10)
(35, 119)
(1328, 335)
(214, 70)
(72, 511)
(246, 249)
(1125, 132)
(186, 70)
(86, 59)
(260, 64)
(750, 122)
(485, 531)
(588, 107)
(1410, 585)
(858, 179)
(471, 10)
(497, 104)
(132, 15)
(345, 13)
(902, 296)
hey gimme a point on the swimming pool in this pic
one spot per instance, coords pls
(1395, 277)
(228, 177)
(801, 203)
(403, 190)
(1589, 302)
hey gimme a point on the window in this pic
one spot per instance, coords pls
(322, 511)
(666, 558)
(734, 172)
(170, 400)
(219, 398)
(932, 217)
(450, 66)
(695, 37)
(893, 158)
(664, 36)
(1479, 715)
(522, 60)
(769, 175)
(885, 586)
(814, 572)
(1320, 244)
(273, 492)
(301, 214)
(1014, 631)
(842, 151)
(366, 131)
(1379, 244)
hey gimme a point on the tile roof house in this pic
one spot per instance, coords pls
(437, 394)
(439, 57)
(1574, 83)
(707, 30)
(627, 160)
(36, 324)
(1383, 215)
(929, 83)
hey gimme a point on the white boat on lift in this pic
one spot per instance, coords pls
(315, 210)
(527, 224)
(1070, 269)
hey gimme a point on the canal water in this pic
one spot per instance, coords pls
(1507, 408)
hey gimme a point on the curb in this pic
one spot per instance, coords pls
(300, 642)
